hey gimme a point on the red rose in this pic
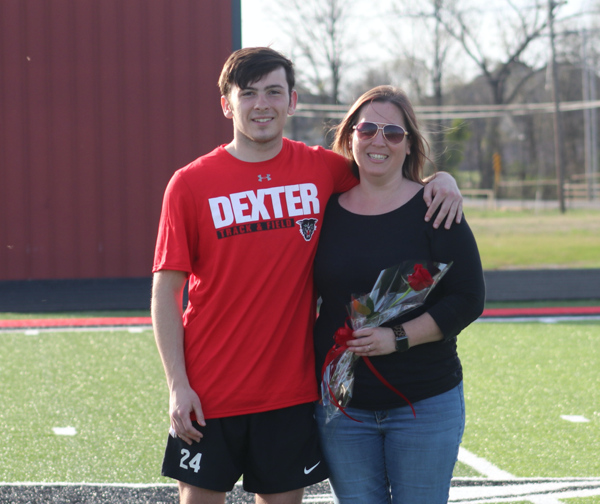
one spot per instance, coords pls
(420, 278)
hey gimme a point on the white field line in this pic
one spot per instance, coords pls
(481, 465)
(491, 471)
(544, 491)
(37, 331)
(535, 481)
(85, 484)
(543, 320)
(534, 490)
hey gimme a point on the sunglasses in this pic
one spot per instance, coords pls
(391, 132)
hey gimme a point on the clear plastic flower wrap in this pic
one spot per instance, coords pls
(397, 290)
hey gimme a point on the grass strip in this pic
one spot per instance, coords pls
(525, 239)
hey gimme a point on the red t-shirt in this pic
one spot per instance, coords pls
(247, 234)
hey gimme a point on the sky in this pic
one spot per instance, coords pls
(260, 27)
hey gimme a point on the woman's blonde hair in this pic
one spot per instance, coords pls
(412, 168)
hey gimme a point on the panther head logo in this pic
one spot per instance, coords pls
(307, 228)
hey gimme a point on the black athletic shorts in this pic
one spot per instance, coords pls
(276, 451)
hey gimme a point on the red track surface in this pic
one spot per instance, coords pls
(541, 312)
(133, 321)
(75, 322)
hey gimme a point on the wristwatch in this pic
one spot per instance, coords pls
(402, 344)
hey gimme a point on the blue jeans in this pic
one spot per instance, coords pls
(394, 454)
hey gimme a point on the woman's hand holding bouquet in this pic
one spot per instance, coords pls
(398, 289)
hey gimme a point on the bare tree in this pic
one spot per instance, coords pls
(521, 28)
(408, 73)
(433, 46)
(320, 39)
(579, 44)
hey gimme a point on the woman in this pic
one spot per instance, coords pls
(375, 225)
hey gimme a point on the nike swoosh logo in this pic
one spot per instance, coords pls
(308, 471)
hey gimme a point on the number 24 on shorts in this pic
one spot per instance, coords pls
(194, 463)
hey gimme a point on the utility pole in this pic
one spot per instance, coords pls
(587, 116)
(558, 137)
(590, 121)
(594, 134)
(439, 148)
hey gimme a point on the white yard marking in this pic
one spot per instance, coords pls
(543, 320)
(481, 465)
(64, 431)
(543, 499)
(491, 471)
(136, 330)
(550, 320)
(537, 491)
(48, 330)
(463, 491)
(574, 418)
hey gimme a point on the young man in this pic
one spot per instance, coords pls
(242, 224)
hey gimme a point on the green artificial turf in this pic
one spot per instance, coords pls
(464, 471)
(108, 385)
(519, 380)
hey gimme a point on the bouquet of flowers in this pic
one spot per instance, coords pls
(397, 290)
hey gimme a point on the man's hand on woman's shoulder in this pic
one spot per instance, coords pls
(442, 192)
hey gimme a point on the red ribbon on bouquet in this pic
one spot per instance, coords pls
(341, 338)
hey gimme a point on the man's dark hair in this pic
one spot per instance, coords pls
(248, 65)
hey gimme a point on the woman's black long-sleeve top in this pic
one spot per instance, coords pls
(352, 250)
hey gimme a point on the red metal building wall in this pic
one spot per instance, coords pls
(100, 102)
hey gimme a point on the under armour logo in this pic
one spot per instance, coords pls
(266, 177)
